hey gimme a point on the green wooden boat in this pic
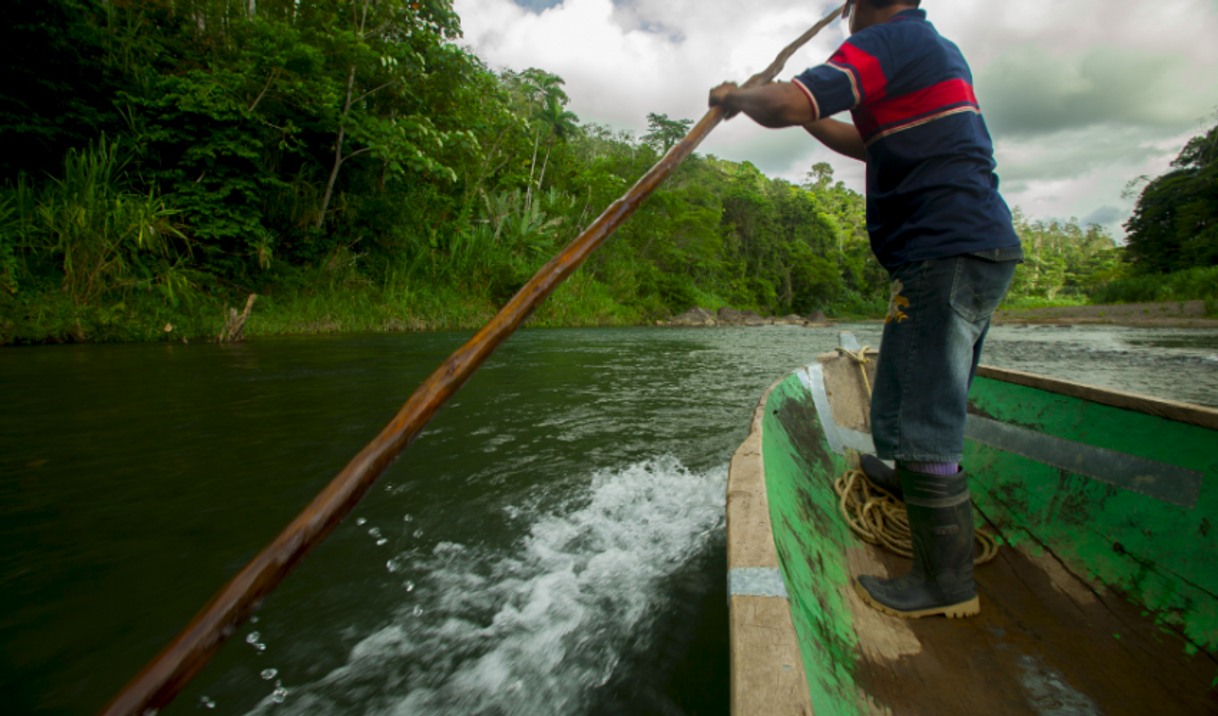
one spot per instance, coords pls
(1102, 599)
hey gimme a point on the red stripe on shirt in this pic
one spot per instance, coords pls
(874, 116)
(871, 75)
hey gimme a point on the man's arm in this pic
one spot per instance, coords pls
(841, 137)
(774, 105)
(780, 105)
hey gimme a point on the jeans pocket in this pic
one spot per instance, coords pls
(979, 286)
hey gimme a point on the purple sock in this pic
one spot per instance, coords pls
(946, 469)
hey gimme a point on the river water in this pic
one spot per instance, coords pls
(552, 544)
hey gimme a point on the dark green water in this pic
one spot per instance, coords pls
(552, 544)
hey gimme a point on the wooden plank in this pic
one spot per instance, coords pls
(1043, 640)
(767, 670)
(1172, 410)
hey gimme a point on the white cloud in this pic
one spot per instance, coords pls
(1065, 146)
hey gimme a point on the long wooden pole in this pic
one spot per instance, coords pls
(163, 677)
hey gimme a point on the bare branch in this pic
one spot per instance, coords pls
(274, 74)
(373, 91)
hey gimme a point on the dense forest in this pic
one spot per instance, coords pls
(357, 168)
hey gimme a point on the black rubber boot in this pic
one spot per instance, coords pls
(881, 475)
(941, 581)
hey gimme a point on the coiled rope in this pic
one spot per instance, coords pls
(872, 512)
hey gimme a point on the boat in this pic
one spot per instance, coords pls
(1102, 596)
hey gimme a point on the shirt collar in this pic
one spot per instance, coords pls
(910, 14)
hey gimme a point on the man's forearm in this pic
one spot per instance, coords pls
(774, 105)
(841, 137)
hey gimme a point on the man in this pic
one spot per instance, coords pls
(940, 228)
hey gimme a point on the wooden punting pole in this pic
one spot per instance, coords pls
(191, 650)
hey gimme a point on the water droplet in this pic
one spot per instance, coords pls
(260, 647)
(268, 674)
(418, 611)
(407, 518)
(410, 586)
(392, 565)
(206, 702)
(279, 694)
(253, 638)
(361, 521)
(381, 542)
(253, 620)
(374, 532)
(418, 534)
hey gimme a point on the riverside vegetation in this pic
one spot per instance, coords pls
(350, 163)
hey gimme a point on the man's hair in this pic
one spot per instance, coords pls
(878, 4)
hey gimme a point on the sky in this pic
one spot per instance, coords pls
(1081, 97)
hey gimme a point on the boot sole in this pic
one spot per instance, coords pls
(971, 608)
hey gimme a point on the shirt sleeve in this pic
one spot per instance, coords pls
(850, 78)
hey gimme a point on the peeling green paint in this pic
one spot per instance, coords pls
(811, 539)
(1163, 556)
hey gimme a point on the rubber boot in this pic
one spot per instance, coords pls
(881, 475)
(941, 581)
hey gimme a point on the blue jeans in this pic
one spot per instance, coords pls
(936, 325)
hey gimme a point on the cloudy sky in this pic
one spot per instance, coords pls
(1080, 96)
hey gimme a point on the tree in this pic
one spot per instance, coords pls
(1175, 224)
(664, 132)
(562, 126)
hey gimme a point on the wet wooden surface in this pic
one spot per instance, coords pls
(767, 670)
(1044, 643)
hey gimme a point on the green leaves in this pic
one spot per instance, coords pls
(1175, 224)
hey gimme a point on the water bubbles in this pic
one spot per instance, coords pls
(418, 534)
(361, 522)
(410, 586)
(417, 611)
(268, 674)
(382, 542)
(393, 565)
(253, 638)
(374, 532)
(407, 518)
(207, 703)
(279, 694)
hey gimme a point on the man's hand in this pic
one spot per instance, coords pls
(722, 96)
(775, 105)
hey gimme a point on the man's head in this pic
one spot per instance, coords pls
(865, 13)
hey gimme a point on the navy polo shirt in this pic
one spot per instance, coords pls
(931, 188)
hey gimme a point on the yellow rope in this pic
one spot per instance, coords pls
(872, 512)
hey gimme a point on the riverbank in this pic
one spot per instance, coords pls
(1168, 314)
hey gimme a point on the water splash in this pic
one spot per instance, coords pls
(537, 628)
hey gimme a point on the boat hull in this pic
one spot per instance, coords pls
(1102, 598)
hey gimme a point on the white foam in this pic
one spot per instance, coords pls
(535, 627)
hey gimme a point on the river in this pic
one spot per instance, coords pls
(553, 543)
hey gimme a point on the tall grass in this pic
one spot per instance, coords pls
(1195, 284)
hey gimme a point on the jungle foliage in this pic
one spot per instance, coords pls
(1175, 225)
(351, 163)
(356, 167)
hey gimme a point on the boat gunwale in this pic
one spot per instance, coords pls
(750, 453)
(1189, 413)
(744, 500)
